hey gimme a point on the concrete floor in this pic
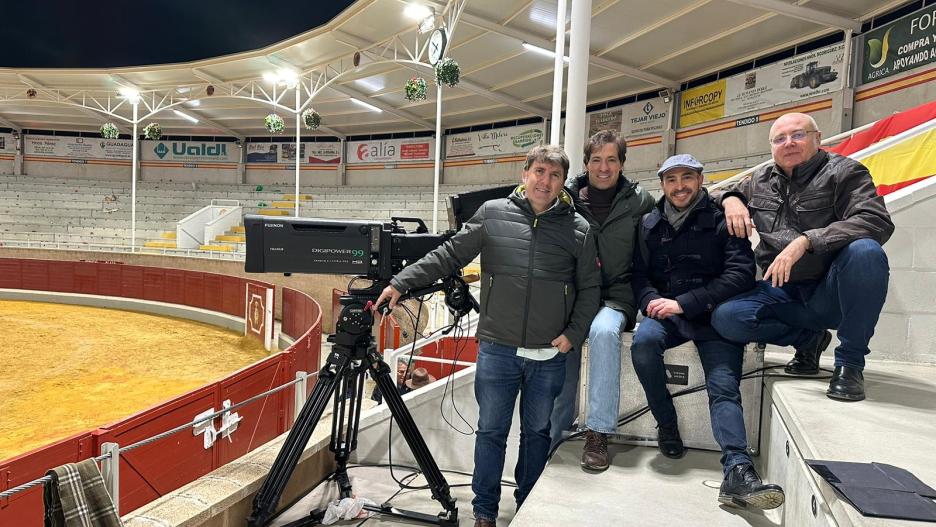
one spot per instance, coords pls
(376, 484)
(894, 425)
(640, 488)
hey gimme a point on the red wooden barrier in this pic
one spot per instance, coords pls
(163, 466)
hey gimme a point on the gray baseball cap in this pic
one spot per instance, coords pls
(682, 161)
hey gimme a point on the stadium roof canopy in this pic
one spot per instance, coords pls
(635, 47)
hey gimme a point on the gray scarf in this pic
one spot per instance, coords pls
(677, 217)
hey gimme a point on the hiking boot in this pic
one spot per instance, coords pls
(742, 487)
(806, 360)
(847, 384)
(595, 454)
(669, 442)
(481, 522)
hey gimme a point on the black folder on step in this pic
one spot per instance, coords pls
(879, 490)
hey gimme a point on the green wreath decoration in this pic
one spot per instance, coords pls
(447, 72)
(416, 89)
(152, 131)
(274, 123)
(311, 119)
(109, 131)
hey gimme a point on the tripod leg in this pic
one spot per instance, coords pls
(437, 483)
(268, 496)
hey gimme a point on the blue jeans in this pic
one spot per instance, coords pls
(500, 376)
(849, 298)
(604, 378)
(721, 363)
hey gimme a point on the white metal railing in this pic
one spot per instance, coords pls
(392, 355)
(116, 248)
(110, 452)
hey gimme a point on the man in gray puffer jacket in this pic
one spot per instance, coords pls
(540, 287)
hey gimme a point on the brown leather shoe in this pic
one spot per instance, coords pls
(595, 455)
(481, 522)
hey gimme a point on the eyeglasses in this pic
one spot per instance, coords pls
(796, 136)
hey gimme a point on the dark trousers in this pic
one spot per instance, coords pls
(849, 299)
(721, 363)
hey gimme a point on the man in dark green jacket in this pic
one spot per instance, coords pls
(539, 293)
(613, 206)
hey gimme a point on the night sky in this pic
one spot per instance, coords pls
(96, 34)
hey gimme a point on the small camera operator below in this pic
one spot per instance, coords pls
(539, 293)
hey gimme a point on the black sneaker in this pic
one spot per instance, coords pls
(806, 360)
(742, 487)
(669, 442)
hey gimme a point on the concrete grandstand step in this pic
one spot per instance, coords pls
(230, 238)
(160, 244)
(216, 247)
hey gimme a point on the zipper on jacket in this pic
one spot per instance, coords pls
(487, 299)
(565, 298)
(529, 288)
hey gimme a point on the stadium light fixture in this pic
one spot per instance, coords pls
(370, 107)
(285, 76)
(185, 116)
(131, 94)
(542, 51)
(418, 11)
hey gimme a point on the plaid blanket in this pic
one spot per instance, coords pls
(76, 497)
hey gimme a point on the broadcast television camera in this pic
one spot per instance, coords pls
(376, 251)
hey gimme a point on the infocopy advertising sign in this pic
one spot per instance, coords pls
(391, 150)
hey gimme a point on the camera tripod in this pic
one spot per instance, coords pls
(342, 377)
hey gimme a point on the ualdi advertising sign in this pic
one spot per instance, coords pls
(391, 150)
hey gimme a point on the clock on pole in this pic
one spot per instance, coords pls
(437, 42)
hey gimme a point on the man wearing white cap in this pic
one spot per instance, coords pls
(685, 264)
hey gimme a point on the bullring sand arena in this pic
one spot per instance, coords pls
(68, 368)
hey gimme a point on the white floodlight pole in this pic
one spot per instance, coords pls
(438, 161)
(133, 174)
(298, 145)
(578, 77)
(558, 67)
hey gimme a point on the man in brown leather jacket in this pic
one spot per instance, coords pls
(821, 226)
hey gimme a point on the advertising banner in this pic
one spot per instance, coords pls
(78, 147)
(7, 146)
(262, 152)
(391, 150)
(190, 151)
(500, 141)
(802, 76)
(702, 103)
(609, 119)
(644, 117)
(901, 45)
(799, 77)
(630, 120)
(311, 153)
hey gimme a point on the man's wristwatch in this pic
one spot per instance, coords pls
(808, 243)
